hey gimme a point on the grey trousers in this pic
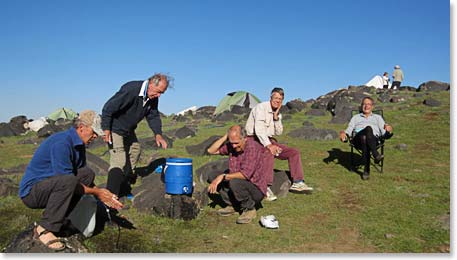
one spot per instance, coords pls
(124, 147)
(58, 195)
(238, 193)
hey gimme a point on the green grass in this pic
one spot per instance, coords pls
(397, 211)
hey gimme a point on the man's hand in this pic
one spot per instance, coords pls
(109, 199)
(161, 142)
(213, 186)
(276, 113)
(343, 136)
(388, 128)
(274, 149)
(107, 136)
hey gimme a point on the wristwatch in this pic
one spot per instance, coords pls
(223, 178)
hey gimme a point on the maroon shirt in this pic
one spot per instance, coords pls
(249, 162)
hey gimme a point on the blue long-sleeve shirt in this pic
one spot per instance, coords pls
(61, 153)
(123, 111)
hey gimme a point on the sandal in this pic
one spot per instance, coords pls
(37, 236)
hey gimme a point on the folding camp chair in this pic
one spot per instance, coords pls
(379, 145)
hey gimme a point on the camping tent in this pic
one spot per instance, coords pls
(64, 113)
(239, 98)
(376, 82)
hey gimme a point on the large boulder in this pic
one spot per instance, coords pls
(434, 86)
(150, 197)
(240, 110)
(5, 130)
(184, 132)
(296, 105)
(200, 149)
(203, 172)
(205, 112)
(224, 117)
(17, 124)
(97, 164)
(24, 243)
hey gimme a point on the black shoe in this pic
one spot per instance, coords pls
(378, 158)
(365, 176)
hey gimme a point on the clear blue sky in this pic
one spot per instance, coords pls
(77, 54)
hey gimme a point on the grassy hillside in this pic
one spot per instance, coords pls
(405, 209)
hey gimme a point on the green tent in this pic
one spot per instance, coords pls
(239, 98)
(64, 113)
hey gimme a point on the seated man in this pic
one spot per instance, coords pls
(245, 184)
(55, 178)
(265, 121)
(368, 128)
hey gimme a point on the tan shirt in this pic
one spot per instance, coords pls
(261, 123)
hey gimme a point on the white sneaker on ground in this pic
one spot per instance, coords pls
(270, 195)
(300, 187)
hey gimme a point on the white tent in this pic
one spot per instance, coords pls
(376, 82)
(37, 124)
(193, 109)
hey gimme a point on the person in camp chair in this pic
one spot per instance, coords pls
(367, 128)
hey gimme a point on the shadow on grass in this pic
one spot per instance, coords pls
(343, 158)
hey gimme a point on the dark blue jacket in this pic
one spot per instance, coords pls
(61, 153)
(123, 111)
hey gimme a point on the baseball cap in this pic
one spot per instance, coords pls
(92, 119)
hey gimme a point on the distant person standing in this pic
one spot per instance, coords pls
(397, 77)
(385, 80)
(120, 116)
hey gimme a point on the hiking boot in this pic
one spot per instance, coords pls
(227, 211)
(270, 195)
(365, 176)
(300, 187)
(378, 158)
(247, 216)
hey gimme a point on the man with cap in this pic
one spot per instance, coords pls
(56, 178)
(397, 77)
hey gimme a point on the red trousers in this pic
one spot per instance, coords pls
(292, 155)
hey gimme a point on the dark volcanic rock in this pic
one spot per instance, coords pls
(97, 164)
(205, 112)
(431, 102)
(225, 116)
(296, 105)
(200, 149)
(24, 243)
(184, 132)
(7, 187)
(281, 183)
(407, 88)
(311, 133)
(5, 130)
(150, 197)
(150, 142)
(17, 124)
(18, 170)
(202, 173)
(434, 86)
(50, 129)
(240, 110)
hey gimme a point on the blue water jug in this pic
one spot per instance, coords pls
(178, 176)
